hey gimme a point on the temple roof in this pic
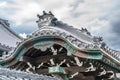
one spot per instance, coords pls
(48, 19)
(7, 74)
(60, 48)
(7, 36)
(48, 22)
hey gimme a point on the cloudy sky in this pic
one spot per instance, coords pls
(100, 17)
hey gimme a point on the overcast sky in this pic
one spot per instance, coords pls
(100, 17)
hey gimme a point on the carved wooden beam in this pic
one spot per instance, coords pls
(48, 57)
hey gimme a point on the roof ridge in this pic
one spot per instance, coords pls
(6, 25)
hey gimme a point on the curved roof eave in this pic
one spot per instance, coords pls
(11, 31)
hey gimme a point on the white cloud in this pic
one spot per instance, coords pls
(3, 4)
(23, 35)
(27, 9)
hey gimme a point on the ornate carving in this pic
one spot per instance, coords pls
(46, 19)
(85, 31)
(97, 39)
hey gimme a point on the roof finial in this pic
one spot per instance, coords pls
(44, 13)
(46, 19)
(51, 13)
